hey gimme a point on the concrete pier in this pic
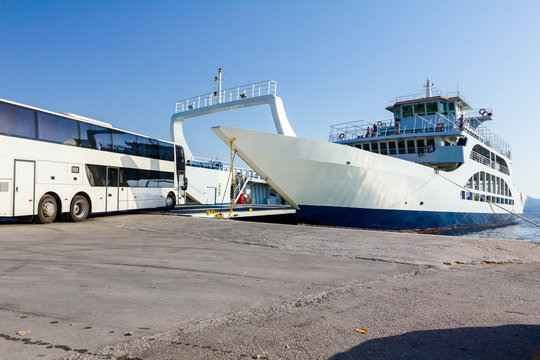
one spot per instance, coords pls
(167, 287)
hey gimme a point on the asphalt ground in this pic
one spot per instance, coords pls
(167, 287)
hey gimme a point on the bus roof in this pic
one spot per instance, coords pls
(80, 118)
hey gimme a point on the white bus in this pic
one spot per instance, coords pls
(54, 164)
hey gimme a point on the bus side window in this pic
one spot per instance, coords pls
(17, 121)
(58, 129)
(96, 174)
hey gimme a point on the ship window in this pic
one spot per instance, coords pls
(396, 114)
(420, 145)
(374, 147)
(384, 148)
(419, 109)
(451, 108)
(482, 181)
(443, 108)
(410, 147)
(365, 146)
(431, 142)
(392, 146)
(431, 108)
(463, 195)
(407, 111)
(401, 147)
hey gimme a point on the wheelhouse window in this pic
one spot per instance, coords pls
(407, 111)
(419, 109)
(451, 108)
(443, 108)
(431, 108)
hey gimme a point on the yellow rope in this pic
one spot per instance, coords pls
(232, 179)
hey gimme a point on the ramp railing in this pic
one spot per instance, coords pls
(268, 87)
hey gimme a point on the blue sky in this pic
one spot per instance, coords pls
(127, 62)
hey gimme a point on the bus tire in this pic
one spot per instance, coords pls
(171, 201)
(47, 209)
(78, 211)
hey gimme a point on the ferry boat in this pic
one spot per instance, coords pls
(434, 165)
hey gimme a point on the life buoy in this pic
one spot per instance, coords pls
(341, 136)
(380, 123)
(483, 112)
(439, 126)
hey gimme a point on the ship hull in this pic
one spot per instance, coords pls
(339, 185)
(384, 219)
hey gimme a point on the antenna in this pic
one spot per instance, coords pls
(428, 87)
(218, 79)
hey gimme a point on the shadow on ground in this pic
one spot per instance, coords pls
(498, 342)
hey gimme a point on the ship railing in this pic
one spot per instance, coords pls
(479, 113)
(422, 95)
(268, 87)
(359, 129)
(209, 163)
(476, 128)
(476, 156)
(471, 125)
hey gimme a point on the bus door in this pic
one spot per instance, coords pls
(112, 189)
(23, 198)
(181, 173)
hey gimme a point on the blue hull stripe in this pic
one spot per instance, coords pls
(397, 219)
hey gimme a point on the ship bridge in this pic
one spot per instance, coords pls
(432, 125)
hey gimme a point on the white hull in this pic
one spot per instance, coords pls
(328, 178)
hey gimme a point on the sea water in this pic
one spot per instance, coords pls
(522, 230)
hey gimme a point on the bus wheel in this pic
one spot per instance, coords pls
(171, 201)
(47, 209)
(79, 208)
